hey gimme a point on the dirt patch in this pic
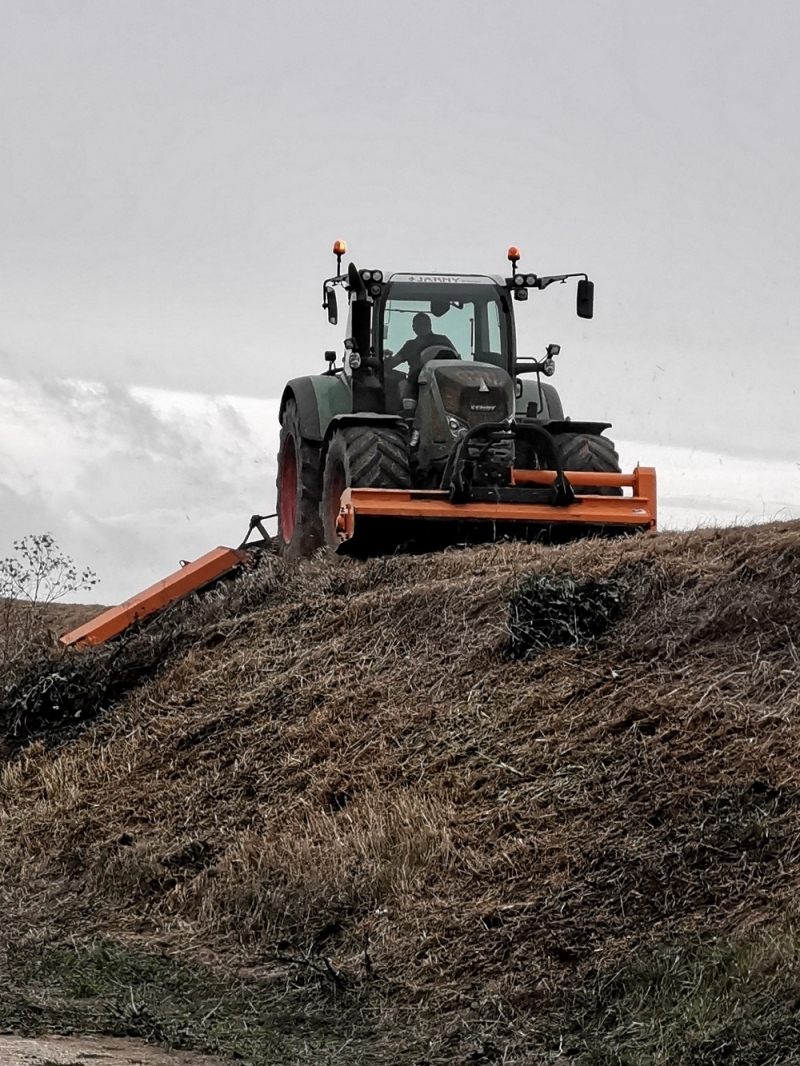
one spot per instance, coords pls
(92, 1051)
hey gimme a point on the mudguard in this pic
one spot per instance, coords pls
(362, 418)
(319, 399)
(530, 393)
(365, 418)
(564, 426)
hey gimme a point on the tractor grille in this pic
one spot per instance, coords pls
(475, 394)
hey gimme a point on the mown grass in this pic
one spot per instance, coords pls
(513, 805)
(698, 1003)
(49, 983)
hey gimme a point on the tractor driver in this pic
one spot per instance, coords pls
(412, 350)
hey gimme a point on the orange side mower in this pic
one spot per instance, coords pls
(431, 431)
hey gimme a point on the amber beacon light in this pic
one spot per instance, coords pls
(339, 249)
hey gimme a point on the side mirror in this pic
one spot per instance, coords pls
(333, 307)
(585, 307)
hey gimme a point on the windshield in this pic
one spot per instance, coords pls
(468, 318)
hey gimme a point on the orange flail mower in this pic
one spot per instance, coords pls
(637, 512)
(190, 578)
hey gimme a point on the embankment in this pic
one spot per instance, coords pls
(509, 804)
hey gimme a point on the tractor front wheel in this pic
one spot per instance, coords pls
(361, 457)
(589, 451)
(299, 489)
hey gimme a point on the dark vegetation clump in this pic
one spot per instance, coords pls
(334, 798)
(52, 694)
(558, 611)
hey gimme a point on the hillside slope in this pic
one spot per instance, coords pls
(377, 804)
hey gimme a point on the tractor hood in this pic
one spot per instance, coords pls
(472, 392)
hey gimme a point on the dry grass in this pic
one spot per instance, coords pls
(341, 784)
(27, 628)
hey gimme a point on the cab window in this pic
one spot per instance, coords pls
(454, 323)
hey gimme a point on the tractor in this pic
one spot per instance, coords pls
(428, 430)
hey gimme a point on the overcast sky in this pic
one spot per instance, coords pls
(173, 174)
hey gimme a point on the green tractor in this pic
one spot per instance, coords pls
(429, 430)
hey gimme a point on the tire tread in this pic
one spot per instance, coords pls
(308, 534)
(589, 452)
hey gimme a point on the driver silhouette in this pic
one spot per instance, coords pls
(412, 350)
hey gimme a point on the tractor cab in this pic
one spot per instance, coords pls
(422, 318)
(398, 324)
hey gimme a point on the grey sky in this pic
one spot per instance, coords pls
(173, 173)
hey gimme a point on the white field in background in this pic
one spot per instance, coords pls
(702, 488)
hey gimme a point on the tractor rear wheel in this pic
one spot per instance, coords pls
(299, 489)
(361, 457)
(589, 451)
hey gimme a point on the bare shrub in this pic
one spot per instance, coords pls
(36, 575)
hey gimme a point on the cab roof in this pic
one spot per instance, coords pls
(448, 279)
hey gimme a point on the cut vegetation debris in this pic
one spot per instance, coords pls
(509, 804)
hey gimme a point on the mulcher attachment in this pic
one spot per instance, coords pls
(483, 497)
(190, 578)
(522, 510)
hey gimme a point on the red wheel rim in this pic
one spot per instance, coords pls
(287, 511)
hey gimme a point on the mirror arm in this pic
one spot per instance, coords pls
(327, 286)
(542, 283)
(532, 366)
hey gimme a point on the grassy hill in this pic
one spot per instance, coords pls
(509, 804)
